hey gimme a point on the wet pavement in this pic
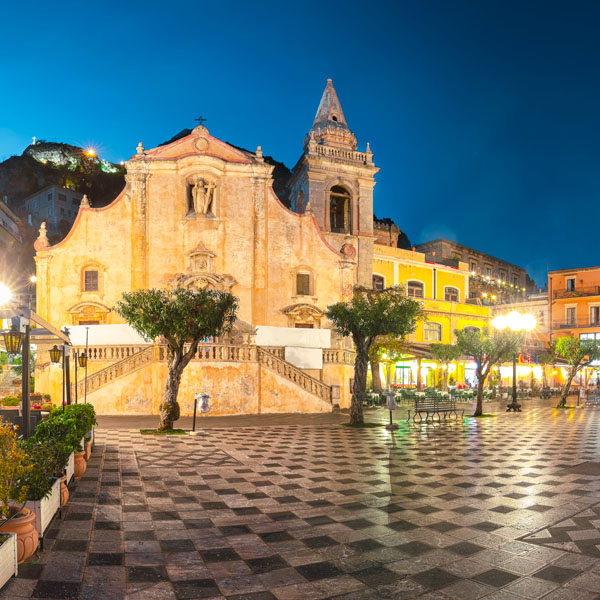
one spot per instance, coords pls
(303, 507)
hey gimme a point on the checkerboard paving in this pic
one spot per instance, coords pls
(497, 508)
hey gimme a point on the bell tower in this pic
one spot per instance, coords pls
(336, 182)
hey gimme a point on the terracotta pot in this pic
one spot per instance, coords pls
(27, 535)
(80, 464)
(64, 490)
(88, 450)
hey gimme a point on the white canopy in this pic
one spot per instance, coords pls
(105, 335)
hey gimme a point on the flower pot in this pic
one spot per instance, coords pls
(88, 450)
(70, 468)
(8, 558)
(64, 490)
(27, 535)
(46, 508)
(80, 464)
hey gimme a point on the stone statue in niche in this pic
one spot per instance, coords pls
(202, 194)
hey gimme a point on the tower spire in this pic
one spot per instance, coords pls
(329, 127)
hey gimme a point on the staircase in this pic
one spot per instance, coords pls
(270, 358)
(7, 387)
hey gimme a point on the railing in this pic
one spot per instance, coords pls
(113, 353)
(271, 358)
(293, 374)
(575, 323)
(593, 290)
(341, 153)
(339, 356)
(118, 369)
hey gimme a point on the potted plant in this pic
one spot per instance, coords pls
(11, 402)
(61, 437)
(85, 419)
(14, 516)
(43, 488)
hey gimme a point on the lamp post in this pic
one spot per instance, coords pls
(517, 322)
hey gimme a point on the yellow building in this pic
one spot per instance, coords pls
(444, 292)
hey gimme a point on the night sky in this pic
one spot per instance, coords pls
(484, 117)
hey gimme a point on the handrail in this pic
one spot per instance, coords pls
(294, 374)
(338, 356)
(111, 352)
(122, 367)
(592, 290)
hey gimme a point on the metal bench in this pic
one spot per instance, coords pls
(589, 400)
(434, 406)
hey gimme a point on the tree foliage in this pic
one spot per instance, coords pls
(486, 351)
(579, 354)
(386, 350)
(369, 314)
(183, 318)
(445, 354)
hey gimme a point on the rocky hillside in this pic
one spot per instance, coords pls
(46, 163)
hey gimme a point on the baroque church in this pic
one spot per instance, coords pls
(200, 212)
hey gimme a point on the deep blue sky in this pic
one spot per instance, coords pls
(483, 116)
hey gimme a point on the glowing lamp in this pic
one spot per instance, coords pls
(82, 358)
(55, 354)
(5, 294)
(13, 339)
(33, 279)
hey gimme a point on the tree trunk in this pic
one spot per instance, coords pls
(169, 409)
(566, 387)
(360, 386)
(479, 406)
(376, 374)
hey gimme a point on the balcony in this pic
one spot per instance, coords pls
(593, 290)
(575, 324)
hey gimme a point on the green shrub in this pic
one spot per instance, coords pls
(60, 432)
(13, 468)
(39, 456)
(84, 416)
(47, 398)
(11, 401)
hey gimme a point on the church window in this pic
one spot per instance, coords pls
(303, 284)
(415, 289)
(334, 117)
(90, 281)
(339, 209)
(432, 332)
(451, 294)
(378, 282)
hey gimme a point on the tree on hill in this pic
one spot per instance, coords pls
(578, 353)
(371, 313)
(486, 351)
(445, 354)
(183, 317)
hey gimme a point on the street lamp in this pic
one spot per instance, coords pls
(55, 354)
(13, 339)
(515, 321)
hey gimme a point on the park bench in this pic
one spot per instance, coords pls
(589, 400)
(434, 406)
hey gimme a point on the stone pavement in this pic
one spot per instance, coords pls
(498, 508)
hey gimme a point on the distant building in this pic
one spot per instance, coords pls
(574, 297)
(10, 233)
(492, 280)
(55, 205)
(388, 234)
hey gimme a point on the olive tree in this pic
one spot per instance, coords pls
(371, 313)
(486, 351)
(386, 350)
(578, 353)
(183, 317)
(445, 354)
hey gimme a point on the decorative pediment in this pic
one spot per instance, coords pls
(302, 313)
(200, 259)
(203, 280)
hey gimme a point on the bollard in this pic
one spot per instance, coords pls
(391, 404)
(203, 399)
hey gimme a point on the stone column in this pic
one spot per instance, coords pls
(137, 182)
(260, 251)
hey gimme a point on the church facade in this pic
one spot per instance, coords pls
(198, 212)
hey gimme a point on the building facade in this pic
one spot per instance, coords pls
(492, 280)
(54, 205)
(574, 302)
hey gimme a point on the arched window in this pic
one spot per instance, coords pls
(451, 294)
(339, 209)
(432, 332)
(378, 282)
(415, 289)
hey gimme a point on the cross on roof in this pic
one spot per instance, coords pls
(200, 120)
